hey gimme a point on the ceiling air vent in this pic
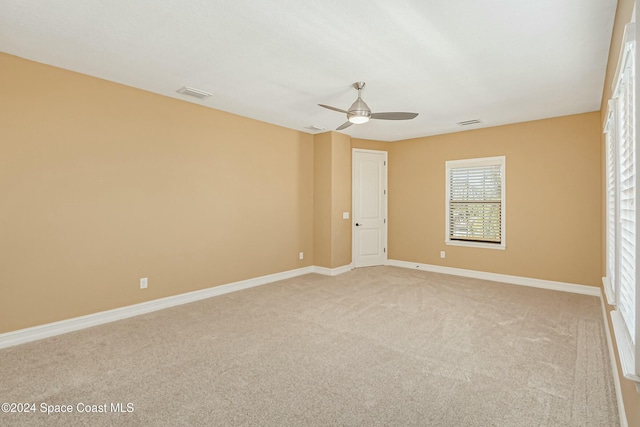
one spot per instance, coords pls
(470, 122)
(314, 127)
(194, 92)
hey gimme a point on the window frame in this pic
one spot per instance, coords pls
(471, 163)
(628, 345)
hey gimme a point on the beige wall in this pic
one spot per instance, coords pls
(341, 200)
(630, 396)
(102, 184)
(322, 199)
(368, 144)
(332, 197)
(552, 199)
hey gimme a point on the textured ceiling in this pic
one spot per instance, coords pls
(500, 61)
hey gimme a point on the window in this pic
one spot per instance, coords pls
(610, 280)
(475, 202)
(622, 216)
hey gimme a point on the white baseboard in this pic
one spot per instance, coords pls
(62, 327)
(332, 271)
(56, 328)
(614, 368)
(504, 278)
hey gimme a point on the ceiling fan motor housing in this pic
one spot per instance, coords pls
(359, 112)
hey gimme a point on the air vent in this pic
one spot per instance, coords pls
(470, 122)
(186, 90)
(314, 127)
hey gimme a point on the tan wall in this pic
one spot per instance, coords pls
(332, 197)
(552, 194)
(368, 144)
(341, 199)
(630, 396)
(322, 144)
(102, 184)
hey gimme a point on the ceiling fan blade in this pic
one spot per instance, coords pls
(333, 108)
(344, 125)
(394, 116)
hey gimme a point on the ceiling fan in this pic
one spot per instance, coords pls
(359, 112)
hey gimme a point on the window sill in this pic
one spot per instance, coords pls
(625, 349)
(608, 291)
(475, 245)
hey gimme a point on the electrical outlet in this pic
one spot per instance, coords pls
(345, 215)
(301, 255)
(442, 254)
(144, 282)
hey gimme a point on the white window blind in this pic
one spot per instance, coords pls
(475, 197)
(610, 280)
(627, 196)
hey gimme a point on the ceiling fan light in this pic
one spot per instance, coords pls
(358, 119)
(359, 112)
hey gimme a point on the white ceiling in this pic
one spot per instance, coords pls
(500, 61)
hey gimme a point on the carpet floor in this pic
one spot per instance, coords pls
(380, 346)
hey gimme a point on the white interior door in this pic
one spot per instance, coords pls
(369, 207)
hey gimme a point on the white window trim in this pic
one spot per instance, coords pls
(625, 348)
(628, 348)
(465, 163)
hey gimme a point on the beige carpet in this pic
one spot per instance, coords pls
(376, 346)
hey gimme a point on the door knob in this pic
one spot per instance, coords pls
(357, 225)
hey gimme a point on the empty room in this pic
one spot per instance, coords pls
(305, 213)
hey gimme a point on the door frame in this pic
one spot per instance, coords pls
(353, 202)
